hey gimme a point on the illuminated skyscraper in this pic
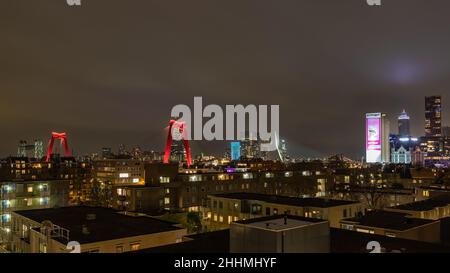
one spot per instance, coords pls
(283, 150)
(403, 125)
(377, 138)
(107, 153)
(22, 148)
(38, 149)
(433, 125)
(235, 150)
(122, 150)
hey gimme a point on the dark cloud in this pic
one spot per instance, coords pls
(110, 71)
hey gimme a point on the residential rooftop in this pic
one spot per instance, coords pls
(341, 241)
(424, 205)
(103, 224)
(280, 222)
(388, 220)
(291, 201)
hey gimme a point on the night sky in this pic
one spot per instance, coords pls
(110, 71)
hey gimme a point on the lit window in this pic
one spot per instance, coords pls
(347, 226)
(223, 177)
(30, 189)
(43, 201)
(426, 193)
(124, 175)
(195, 178)
(288, 174)
(135, 180)
(42, 247)
(6, 204)
(269, 175)
(221, 219)
(135, 246)
(167, 190)
(363, 230)
(6, 218)
(247, 176)
(164, 179)
(166, 201)
(119, 249)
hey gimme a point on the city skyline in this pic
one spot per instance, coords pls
(126, 74)
(224, 135)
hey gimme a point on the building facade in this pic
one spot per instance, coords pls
(223, 209)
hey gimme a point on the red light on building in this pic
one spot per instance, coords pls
(63, 138)
(179, 126)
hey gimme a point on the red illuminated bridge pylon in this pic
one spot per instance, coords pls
(63, 138)
(179, 128)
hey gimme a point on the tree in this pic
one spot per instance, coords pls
(194, 223)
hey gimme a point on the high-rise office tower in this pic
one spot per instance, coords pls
(38, 149)
(107, 153)
(377, 138)
(122, 150)
(22, 148)
(433, 125)
(235, 150)
(403, 125)
(283, 150)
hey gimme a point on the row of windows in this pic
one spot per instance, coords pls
(219, 218)
(224, 177)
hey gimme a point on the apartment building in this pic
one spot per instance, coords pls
(88, 230)
(223, 209)
(27, 195)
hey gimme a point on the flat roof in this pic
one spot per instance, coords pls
(285, 200)
(107, 225)
(347, 241)
(434, 188)
(341, 241)
(277, 222)
(388, 220)
(279, 217)
(209, 242)
(424, 205)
